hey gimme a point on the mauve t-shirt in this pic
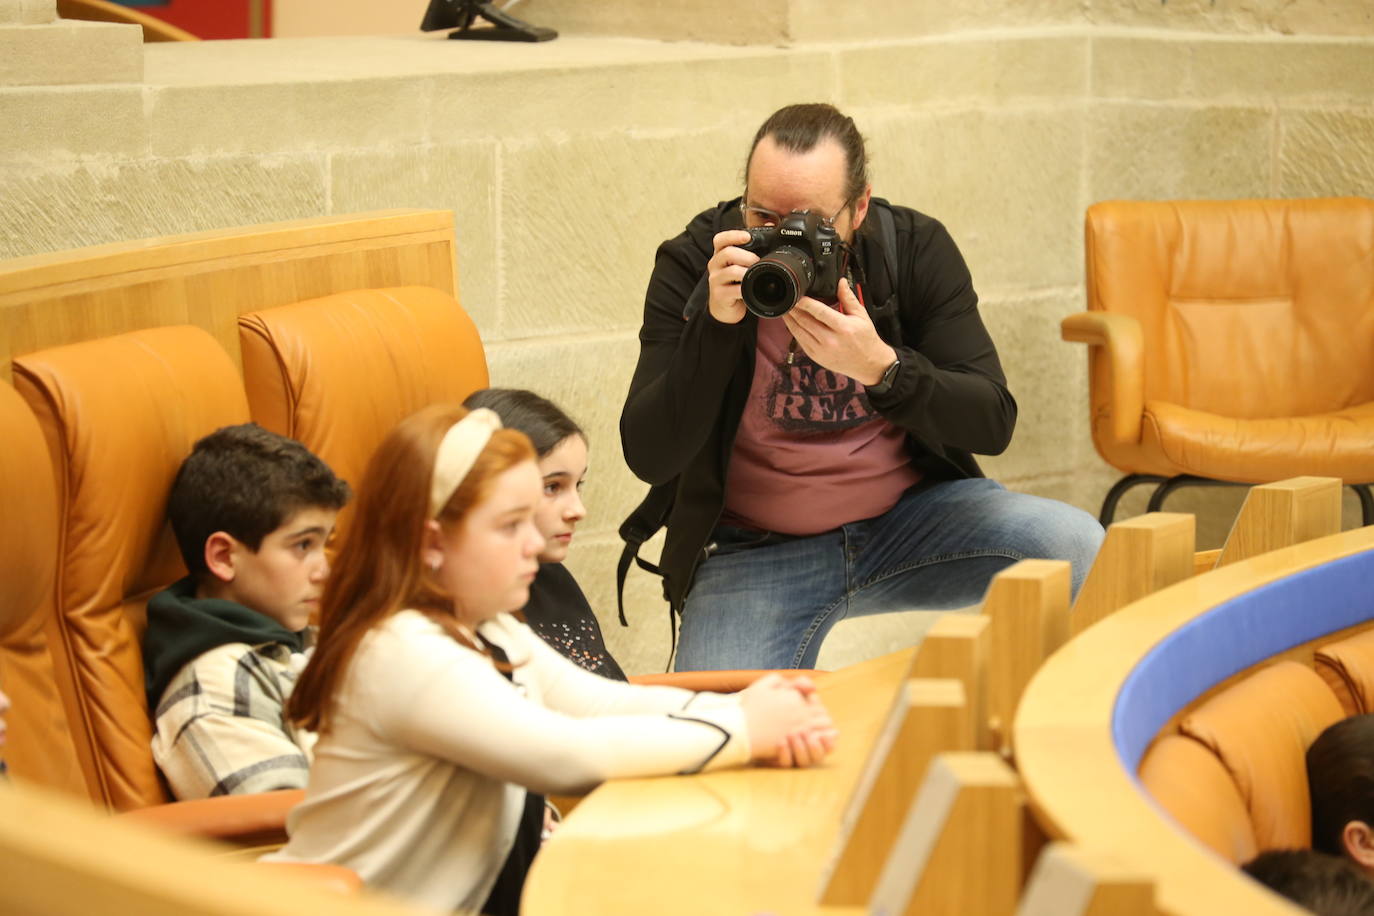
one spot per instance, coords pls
(811, 454)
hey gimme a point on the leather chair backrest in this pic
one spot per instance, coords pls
(339, 372)
(1260, 729)
(1195, 788)
(1275, 292)
(119, 414)
(38, 746)
(1347, 667)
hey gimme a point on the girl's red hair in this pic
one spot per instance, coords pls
(379, 570)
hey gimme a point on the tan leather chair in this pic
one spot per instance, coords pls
(119, 414)
(39, 746)
(1260, 729)
(1230, 341)
(339, 372)
(1189, 782)
(1347, 667)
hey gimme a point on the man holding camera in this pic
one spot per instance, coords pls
(814, 461)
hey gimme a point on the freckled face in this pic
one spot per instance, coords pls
(492, 556)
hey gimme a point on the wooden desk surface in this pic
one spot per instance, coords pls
(745, 841)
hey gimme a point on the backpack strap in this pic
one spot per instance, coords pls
(642, 524)
(885, 314)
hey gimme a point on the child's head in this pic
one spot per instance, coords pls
(562, 448)
(252, 512)
(1340, 777)
(1324, 884)
(444, 525)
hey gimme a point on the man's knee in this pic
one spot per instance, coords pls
(1073, 535)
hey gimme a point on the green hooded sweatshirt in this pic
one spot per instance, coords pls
(181, 627)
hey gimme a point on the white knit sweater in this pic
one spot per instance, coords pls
(419, 784)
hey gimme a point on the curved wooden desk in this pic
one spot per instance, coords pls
(1081, 788)
(737, 841)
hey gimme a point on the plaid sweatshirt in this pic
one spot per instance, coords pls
(218, 676)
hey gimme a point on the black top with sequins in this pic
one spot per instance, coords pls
(560, 614)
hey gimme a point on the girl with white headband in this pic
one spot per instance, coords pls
(441, 715)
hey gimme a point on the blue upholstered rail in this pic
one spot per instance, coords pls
(1233, 636)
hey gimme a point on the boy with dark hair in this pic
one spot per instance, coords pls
(1324, 884)
(1340, 779)
(252, 512)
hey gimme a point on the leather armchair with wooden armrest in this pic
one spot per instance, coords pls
(240, 820)
(118, 415)
(1229, 342)
(339, 372)
(39, 748)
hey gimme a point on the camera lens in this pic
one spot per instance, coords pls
(774, 284)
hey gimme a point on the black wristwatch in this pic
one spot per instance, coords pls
(884, 384)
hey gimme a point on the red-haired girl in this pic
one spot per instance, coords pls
(441, 715)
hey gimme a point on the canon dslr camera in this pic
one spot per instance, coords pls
(798, 257)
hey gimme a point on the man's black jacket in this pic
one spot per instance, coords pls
(689, 388)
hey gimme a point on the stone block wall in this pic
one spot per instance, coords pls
(788, 22)
(567, 162)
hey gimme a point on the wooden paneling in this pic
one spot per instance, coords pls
(208, 279)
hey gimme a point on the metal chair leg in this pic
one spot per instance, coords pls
(1118, 490)
(1167, 485)
(1366, 503)
(1162, 491)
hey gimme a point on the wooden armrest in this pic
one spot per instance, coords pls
(1123, 346)
(154, 29)
(715, 681)
(334, 878)
(243, 820)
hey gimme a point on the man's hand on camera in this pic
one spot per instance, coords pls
(725, 270)
(842, 340)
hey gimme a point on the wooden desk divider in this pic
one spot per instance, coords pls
(961, 848)
(1282, 514)
(1027, 606)
(1140, 556)
(1069, 880)
(958, 646)
(929, 717)
(1205, 561)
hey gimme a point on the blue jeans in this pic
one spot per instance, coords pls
(763, 600)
